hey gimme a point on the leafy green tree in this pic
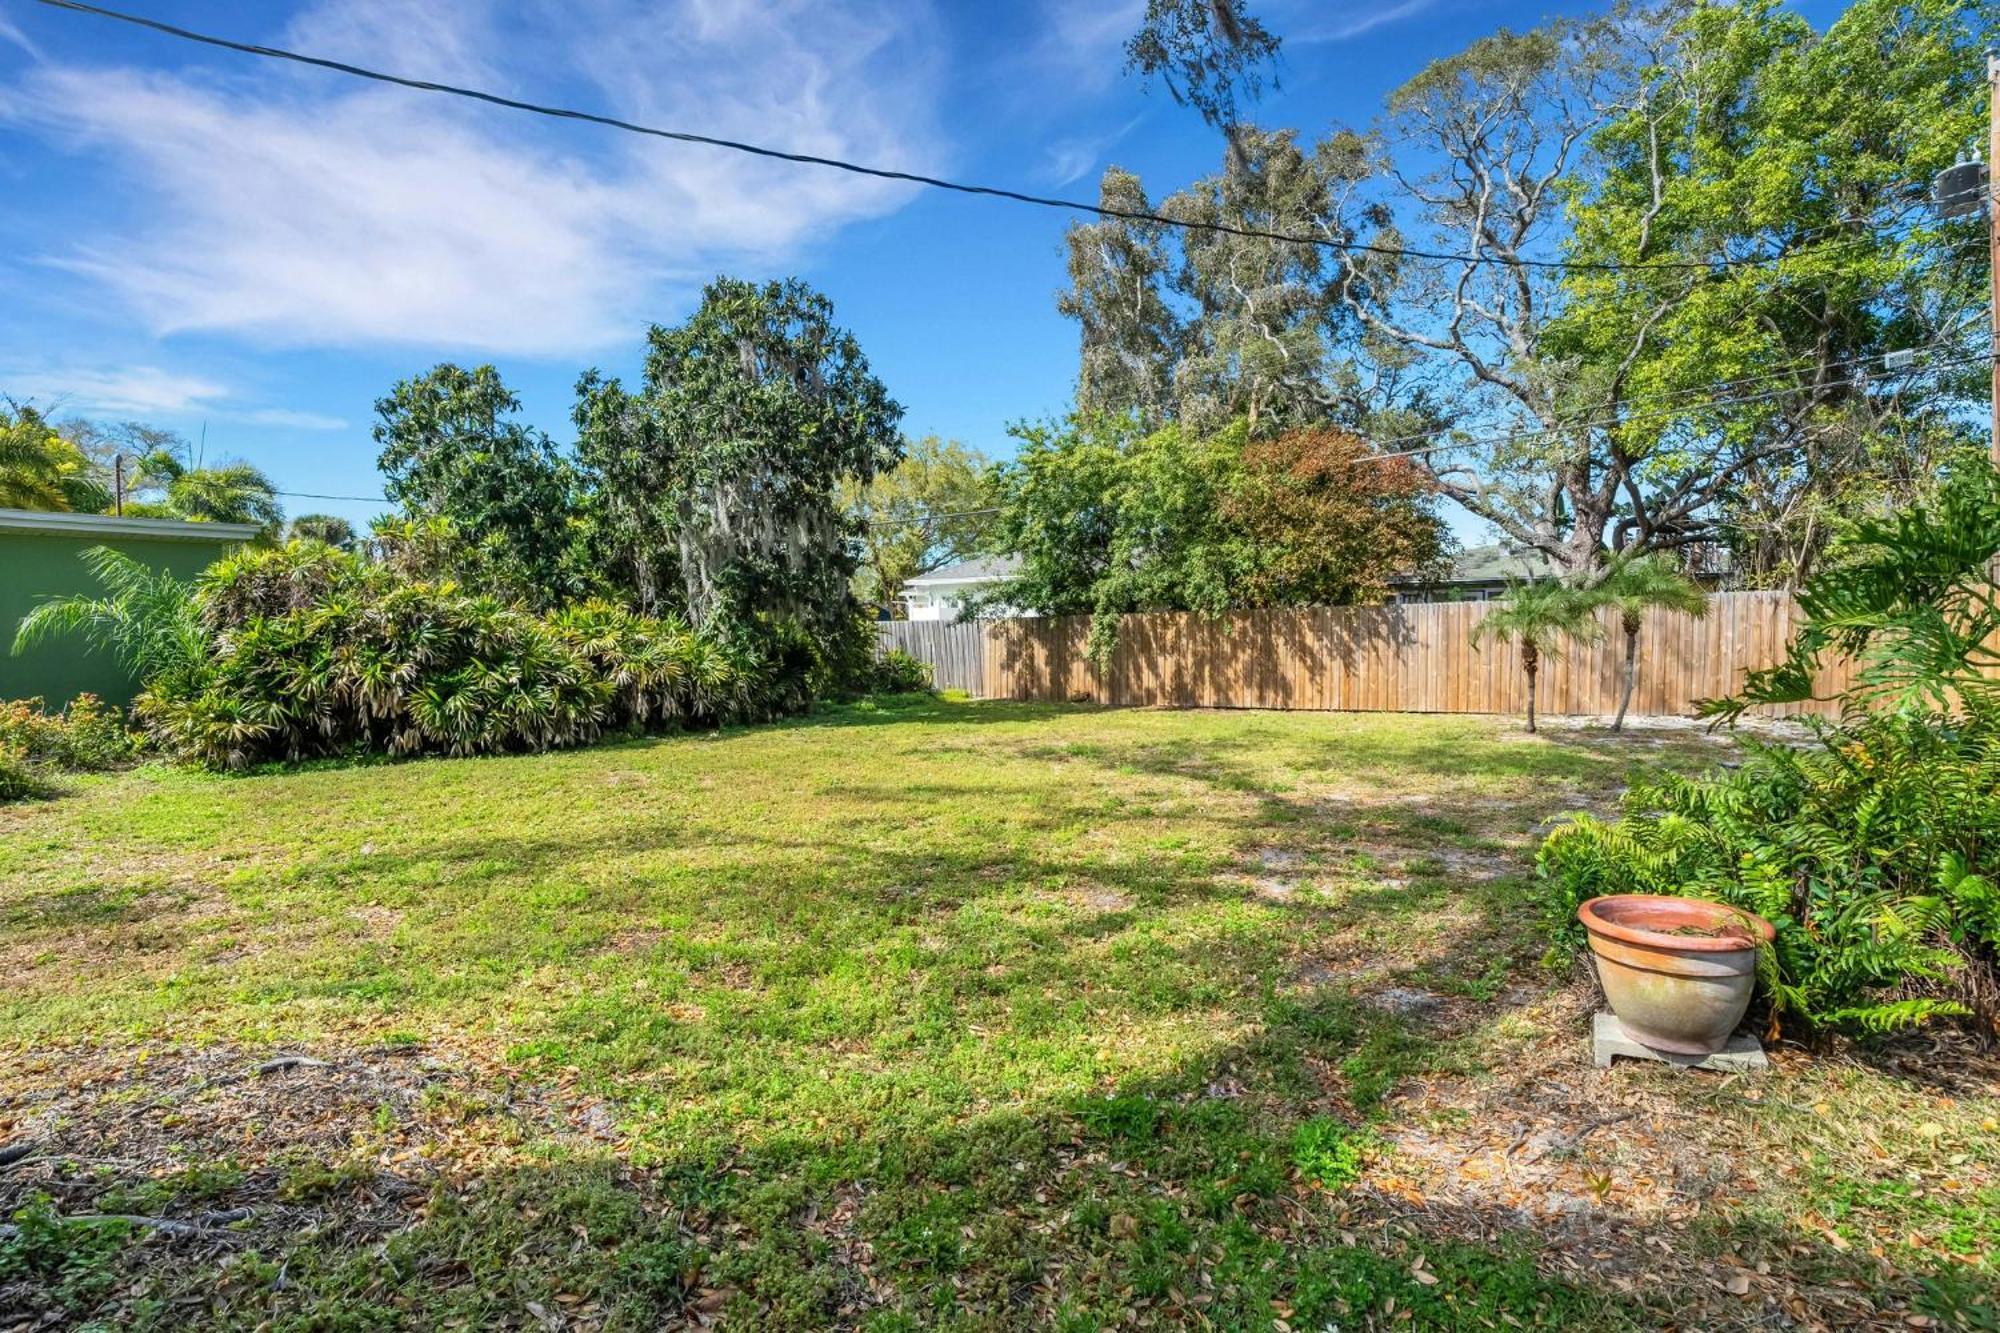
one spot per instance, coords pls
(1205, 326)
(331, 529)
(451, 449)
(1108, 520)
(39, 469)
(750, 416)
(1330, 522)
(1635, 587)
(1120, 273)
(928, 511)
(1542, 618)
(1207, 52)
(1668, 141)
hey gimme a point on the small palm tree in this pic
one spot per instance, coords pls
(329, 528)
(229, 493)
(1541, 617)
(1635, 587)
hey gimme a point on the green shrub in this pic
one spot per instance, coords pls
(87, 736)
(1874, 853)
(36, 746)
(315, 653)
(21, 779)
(896, 672)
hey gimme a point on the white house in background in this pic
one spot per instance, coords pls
(942, 593)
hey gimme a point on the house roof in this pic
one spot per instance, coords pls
(1496, 562)
(980, 569)
(65, 524)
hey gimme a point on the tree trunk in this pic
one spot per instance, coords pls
(1531, 662)
(1631, 676)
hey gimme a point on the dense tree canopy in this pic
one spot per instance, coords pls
(453, 450)
(1758, 181)
(1109, 519)
(731, 452)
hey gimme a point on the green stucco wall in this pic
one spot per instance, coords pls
(35, 566)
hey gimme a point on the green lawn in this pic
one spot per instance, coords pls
(925, 1014)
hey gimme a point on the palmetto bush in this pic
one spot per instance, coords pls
(314, 653)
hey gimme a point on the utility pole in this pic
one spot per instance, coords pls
(1962, 190)
(1993, 225)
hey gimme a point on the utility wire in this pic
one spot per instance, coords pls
(1688, 409)
(1588, 423)
(884, 173)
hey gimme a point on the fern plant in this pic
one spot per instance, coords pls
(1875, 851)
(1875, 854)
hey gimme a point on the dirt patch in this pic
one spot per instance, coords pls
(274, 1135)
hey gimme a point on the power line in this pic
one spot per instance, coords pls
(313, 495)
(1682, 409)
(1631, 417)
(908, 177)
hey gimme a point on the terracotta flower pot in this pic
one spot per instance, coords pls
(1678, 972)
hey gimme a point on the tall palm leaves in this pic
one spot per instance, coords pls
(39, 469)
(1635, 587)
(1541, 618)
(1911, 598)
(145, 617)
(229, 493)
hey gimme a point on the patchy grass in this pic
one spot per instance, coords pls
(920, 1014)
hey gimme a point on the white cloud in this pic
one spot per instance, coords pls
(135, 390)
(286, 418)
(146, 391)
(1085, 41)
(1069, 160)
(1342, 22)
(11, 33)
(301, 208)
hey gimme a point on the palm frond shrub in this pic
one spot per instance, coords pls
(313, 652)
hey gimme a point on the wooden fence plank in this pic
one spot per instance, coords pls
(1358, 658)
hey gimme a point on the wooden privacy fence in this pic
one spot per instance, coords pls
(956, 652)
(1415, 658)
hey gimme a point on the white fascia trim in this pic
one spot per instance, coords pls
(60, 523)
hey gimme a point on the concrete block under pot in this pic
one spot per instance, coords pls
(1678, 972)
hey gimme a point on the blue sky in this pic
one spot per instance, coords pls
(202, 240)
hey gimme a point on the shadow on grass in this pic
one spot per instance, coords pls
(1218, 1194)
